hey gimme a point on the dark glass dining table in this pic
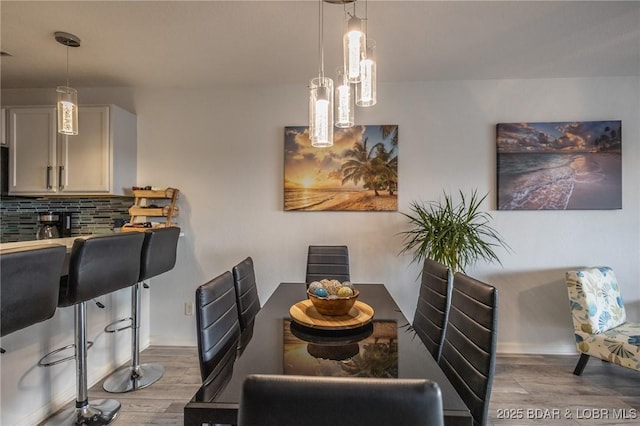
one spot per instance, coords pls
(385, 347)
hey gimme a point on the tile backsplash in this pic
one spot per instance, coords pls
(19, 216)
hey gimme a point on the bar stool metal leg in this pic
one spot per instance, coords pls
(136, 375)
(98, 412)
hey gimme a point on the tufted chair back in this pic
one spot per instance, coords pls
(432, 310)
(276, 400)
(247, 300)
(246, 292)
(217, 324)
(469, 349)
(330, 262)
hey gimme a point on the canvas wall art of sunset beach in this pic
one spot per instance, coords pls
(358, 173)
(560, 165)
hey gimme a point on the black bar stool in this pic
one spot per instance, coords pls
(97, 266)
(30, 281)
(158, 256)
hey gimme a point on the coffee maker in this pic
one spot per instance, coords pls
(54, 225)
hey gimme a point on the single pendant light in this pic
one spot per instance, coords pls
(354, 43)
(321, 97)
(344, 100)
(67, 96)
(366, 89)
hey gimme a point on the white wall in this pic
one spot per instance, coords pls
(223, 148)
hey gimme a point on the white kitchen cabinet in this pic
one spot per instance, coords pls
(100, 160)
(32, 145)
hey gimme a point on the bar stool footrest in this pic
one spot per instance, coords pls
(109, 328)
(42, 363)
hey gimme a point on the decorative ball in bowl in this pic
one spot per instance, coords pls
(330, 297)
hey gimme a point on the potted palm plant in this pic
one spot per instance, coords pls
(456, 235)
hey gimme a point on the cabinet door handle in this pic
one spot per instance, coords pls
(60, 170)
(48, 177)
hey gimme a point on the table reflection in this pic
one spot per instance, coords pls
(369, 351)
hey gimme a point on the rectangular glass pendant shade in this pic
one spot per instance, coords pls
(366, 89)
(67, 110)
(354, 45)
(344, 100)
(321, 112)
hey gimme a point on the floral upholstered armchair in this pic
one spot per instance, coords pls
(600, 320)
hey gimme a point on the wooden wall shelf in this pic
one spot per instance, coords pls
(143, 208)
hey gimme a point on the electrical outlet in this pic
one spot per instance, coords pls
(188, 308)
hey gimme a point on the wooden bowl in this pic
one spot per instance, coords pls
(333, 307)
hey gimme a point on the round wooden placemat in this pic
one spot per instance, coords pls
(305, 313)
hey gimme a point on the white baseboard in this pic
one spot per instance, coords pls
(160, 340)
(536, 349)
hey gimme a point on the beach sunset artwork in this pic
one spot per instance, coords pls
(560, 166)
(358, 173)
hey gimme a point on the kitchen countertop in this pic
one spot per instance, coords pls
(25, 245)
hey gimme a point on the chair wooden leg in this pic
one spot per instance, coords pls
(582, 363)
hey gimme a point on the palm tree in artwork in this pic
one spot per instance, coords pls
(389, 158)
(361, 165)
(390, 130)
(387, 164)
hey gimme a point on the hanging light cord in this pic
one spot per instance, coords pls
(321, 37)
(366, 18)
(67, 64)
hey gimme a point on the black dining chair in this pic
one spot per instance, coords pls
(217, 326)
(432, 310)
(247, 300)
(469, 348)
(277, 400)
(330, 262)
(30, 282)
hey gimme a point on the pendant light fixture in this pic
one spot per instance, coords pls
(354, 43)
(344, 100)
(67, 96)
(321, 96)
(366, 89)
(356, 82)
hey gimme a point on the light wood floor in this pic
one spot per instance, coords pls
(544, 385)
(526, 386)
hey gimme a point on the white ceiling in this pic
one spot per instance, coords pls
(213, 43)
